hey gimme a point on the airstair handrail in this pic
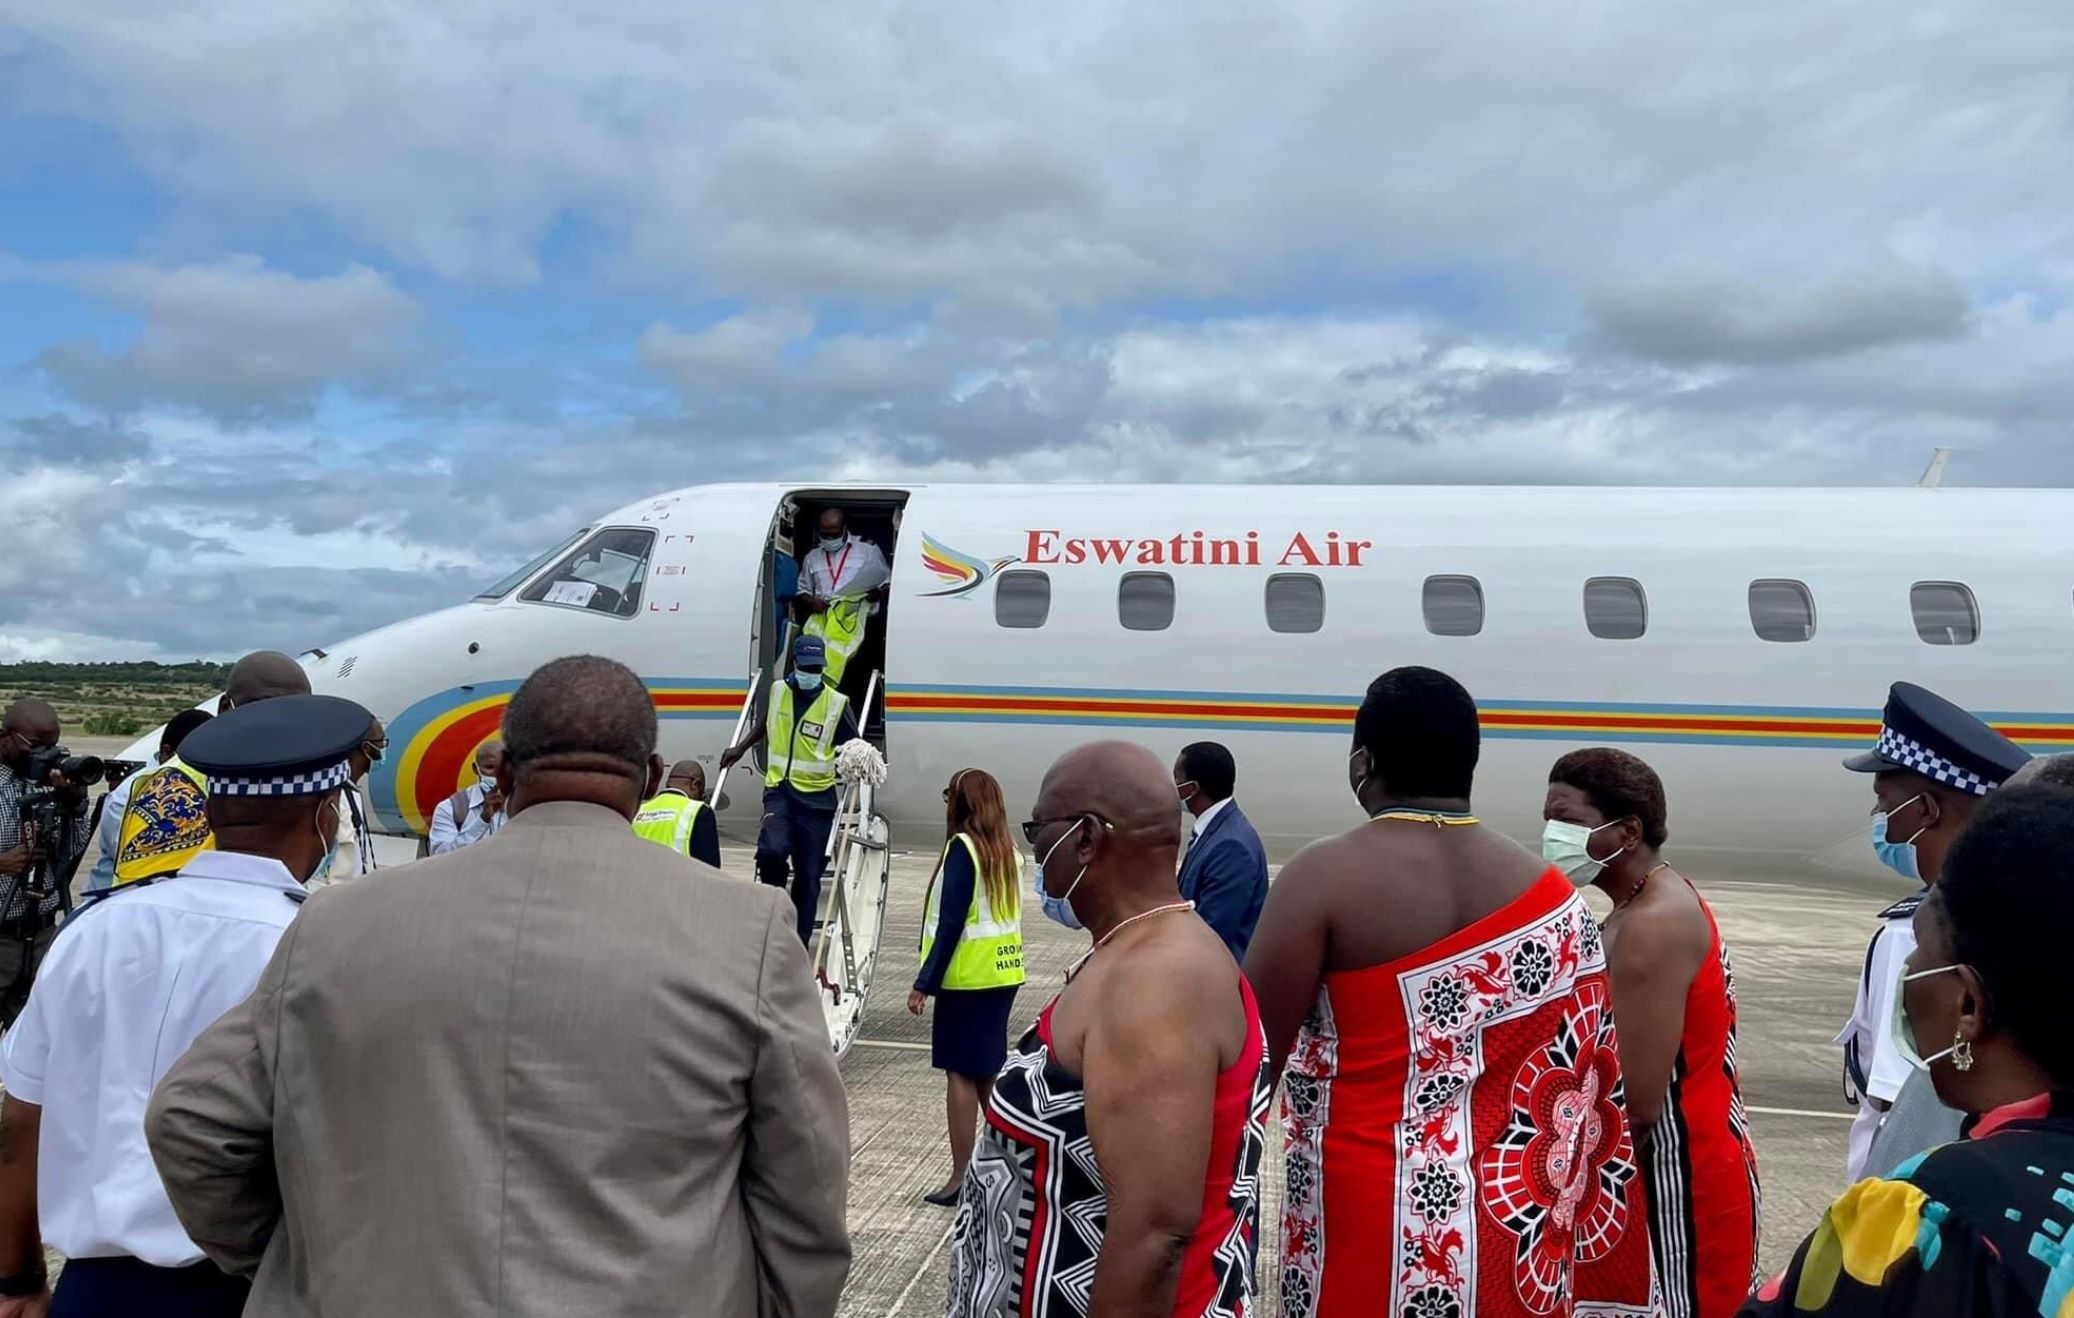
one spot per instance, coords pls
(741, 724)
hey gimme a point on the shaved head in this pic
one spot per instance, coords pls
(31, 716)
(582, 729)
(263, 675)
(1108, 832)
(1121, 781)
(690, 769)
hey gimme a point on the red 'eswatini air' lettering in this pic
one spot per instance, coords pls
(1195, 549)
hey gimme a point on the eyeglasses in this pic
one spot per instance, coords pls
(1032, 827)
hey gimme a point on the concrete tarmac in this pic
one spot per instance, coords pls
(1797, 951)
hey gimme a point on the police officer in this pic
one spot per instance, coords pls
(677, 817)
(132, 979)
(1932, 765)
(164, 825)
(805, 719)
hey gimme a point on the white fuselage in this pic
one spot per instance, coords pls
(1747, 732)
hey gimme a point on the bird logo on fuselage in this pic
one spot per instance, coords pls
(961, 573)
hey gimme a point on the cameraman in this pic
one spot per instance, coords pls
(29, 921)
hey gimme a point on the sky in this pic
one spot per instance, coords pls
(317, 315)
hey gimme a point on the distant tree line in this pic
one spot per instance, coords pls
(114, 699)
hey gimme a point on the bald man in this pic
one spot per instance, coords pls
(28, 920)
(1152, 1055)
(677, 817)
(621, 1098)
(163, 826)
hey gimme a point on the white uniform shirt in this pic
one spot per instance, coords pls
(447, 836)
(1872, 1026)
(124, 992)
(857, 569)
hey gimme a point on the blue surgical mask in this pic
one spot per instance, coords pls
(807, 681)
(1897, 856)
(1058, 908)
(832, 543)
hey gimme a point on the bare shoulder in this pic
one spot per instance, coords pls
(1182, 975)
(1668, 925)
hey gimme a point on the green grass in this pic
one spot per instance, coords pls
(113, 700)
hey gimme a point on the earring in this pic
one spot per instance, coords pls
(1962, 1053)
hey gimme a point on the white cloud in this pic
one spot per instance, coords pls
(232, 338)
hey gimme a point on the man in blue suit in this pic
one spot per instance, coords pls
(1224, 871)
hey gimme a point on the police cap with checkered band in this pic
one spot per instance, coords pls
(1925, 734)
(284, 747)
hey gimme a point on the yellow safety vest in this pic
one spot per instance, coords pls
(668, 819)
(841, 629)
(990, 951)
(802, 749)
(166, 825)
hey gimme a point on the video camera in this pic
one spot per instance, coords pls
(47, 811)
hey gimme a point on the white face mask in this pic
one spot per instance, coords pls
(1904, 1034)
(1568, 847)
(329, 840)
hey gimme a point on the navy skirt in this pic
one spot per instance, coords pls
(969, 1036)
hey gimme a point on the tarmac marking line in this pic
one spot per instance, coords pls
(920, 1272)
(1798, 1112)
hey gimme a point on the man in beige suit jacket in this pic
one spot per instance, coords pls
(563, 1071)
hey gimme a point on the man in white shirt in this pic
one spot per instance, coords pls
(132, 979)
(837, 578)
(475, 813)
(110, 833)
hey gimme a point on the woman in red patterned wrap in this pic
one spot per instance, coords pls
(1674, 991)
(1457, 1141)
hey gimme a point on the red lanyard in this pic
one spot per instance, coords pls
(835, 579)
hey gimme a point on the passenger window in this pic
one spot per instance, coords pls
(1295, 602)
(1453, 606)
(1782, 611)
(1145, 601)
(1945, 613)
(1615, 608)
(604, 574)
(1022, 599)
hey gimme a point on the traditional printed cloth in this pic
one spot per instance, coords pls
(1457, 1137)
(1979, 1227)
(1698, 1162)
(1034, 1205)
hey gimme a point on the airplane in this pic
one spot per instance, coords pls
(1742, 641)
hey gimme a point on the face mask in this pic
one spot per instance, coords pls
(1360, 782)
(1897, 856)
(1904, 1034)
(374, 756)
(806, 681)
(831, 543)
(1058, 908)
(1568, 848)
(330, 841)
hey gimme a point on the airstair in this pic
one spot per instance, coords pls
(854, 886)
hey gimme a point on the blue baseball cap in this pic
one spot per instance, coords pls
(809, 650)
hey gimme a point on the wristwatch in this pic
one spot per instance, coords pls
(23, 1284)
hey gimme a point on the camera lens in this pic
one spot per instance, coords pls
(82, 770)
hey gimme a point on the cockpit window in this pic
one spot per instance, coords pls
(518, 578)
(604, 574)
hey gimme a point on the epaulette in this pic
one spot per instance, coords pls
(1904, 908)
(104, 896)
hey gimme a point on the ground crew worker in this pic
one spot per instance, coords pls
(840, 575)
(165, 825)
(134, 977)
(972, 957)
(677, 816)
(805, 719)
(1932, 765)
